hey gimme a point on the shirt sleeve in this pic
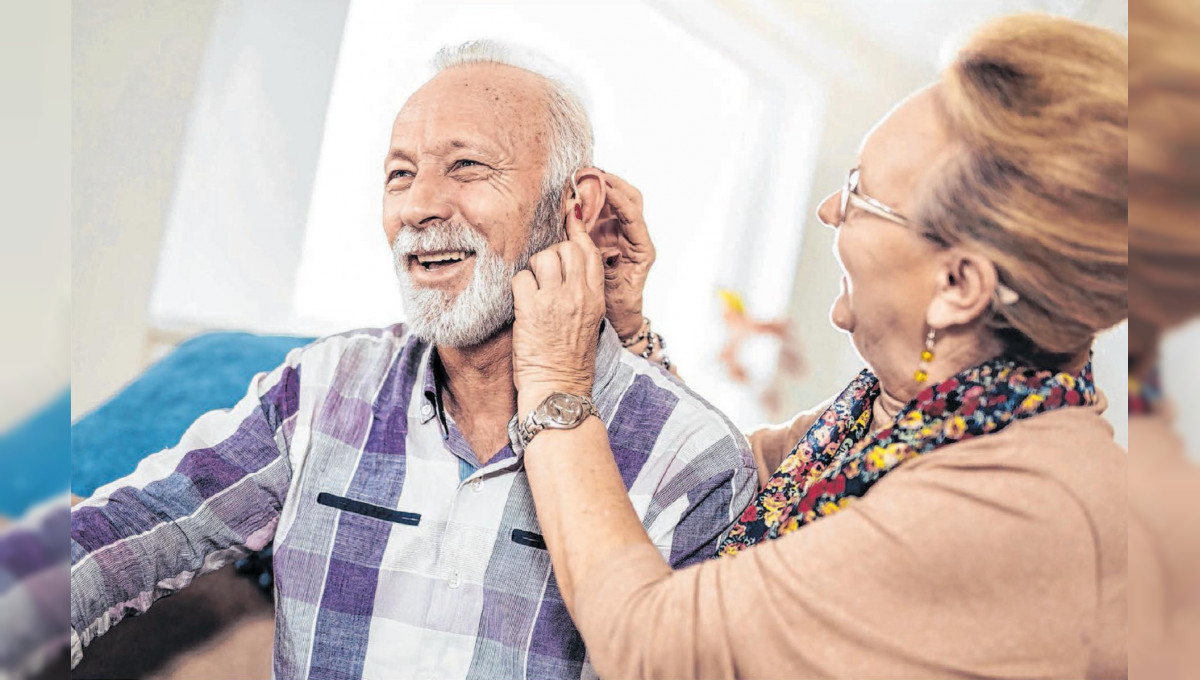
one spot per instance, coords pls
(924, 577)
(692, 511)
(185, 511)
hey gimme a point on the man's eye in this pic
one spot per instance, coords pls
(396, 174)
(466, 163)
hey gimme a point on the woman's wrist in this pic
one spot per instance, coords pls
(531, 395)
(649, 345)
(628, 326)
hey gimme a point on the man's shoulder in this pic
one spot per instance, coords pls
(375, 339)
(689, 425)
(372, 349)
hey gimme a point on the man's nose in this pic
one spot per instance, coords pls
(828, 211)
(425, 201)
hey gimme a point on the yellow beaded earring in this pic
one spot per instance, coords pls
(922, 373)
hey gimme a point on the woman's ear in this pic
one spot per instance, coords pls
(966, 284)
(590, 195)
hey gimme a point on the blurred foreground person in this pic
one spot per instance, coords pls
(959, 509)
(34, 591)
(1164, 293)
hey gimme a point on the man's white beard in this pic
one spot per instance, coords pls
(485, 305)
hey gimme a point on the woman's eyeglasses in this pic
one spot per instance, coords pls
(851, 195)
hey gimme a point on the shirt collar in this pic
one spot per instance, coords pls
(431, 407)
(608, 358)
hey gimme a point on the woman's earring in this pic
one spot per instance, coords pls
(922, 373)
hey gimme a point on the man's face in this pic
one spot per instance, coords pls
(462, 205)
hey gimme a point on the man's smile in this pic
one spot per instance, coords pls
(437, 268)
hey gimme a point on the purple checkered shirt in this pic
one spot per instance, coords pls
(397, 555)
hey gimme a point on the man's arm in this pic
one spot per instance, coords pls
(700, 503)
(185, 511)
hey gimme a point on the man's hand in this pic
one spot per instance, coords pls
(628, 254)
(559, 304)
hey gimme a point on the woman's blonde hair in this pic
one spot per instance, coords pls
(1164, 169)
(1039, 105)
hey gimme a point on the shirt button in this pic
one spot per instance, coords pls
(426, 410)
(477, 485)
(454, 580)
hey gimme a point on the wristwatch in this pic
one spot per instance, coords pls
(559, 411)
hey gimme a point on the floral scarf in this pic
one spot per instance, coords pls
(837, 461)
(1145, 395)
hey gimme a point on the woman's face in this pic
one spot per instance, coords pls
(890, 273)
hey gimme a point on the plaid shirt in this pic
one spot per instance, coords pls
(397, 555)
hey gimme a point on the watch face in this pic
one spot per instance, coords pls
(564, 408)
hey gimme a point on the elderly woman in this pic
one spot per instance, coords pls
(958, 509)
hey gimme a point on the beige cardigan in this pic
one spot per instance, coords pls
(1001, 556)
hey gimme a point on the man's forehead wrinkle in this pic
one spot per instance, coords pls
(491, 109)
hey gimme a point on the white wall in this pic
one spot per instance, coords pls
(1180, 368)
(237, 217)
(35, 185)
(134, 64)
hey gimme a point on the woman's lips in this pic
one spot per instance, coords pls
(840, 314)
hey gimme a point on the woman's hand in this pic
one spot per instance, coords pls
(559, 303)
(628, 253)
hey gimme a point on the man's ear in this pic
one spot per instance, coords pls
(590, 194)
(966, 284)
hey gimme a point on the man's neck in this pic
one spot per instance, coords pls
(478, 391)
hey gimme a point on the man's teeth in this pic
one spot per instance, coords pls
(437, 258)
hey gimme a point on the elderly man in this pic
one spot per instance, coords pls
(386, 464)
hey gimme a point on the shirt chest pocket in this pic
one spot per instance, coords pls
(368, 510)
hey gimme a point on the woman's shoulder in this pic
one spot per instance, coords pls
(1053, 463)
(1072, 447)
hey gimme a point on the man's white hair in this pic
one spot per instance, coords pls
(570, 145)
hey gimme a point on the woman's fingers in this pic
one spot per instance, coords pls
(524, 288)
(572, 259)
(590, 268)
(576, 231)
(624, 190)
(626, 201)
(547, 268)
(581, 266)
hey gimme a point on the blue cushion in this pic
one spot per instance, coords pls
(35, 458)
(210, 371)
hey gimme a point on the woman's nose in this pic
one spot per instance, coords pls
(828, 211)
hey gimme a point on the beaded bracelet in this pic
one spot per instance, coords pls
(641, 335)
(654, 344)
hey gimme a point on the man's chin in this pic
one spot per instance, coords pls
(443, 332)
